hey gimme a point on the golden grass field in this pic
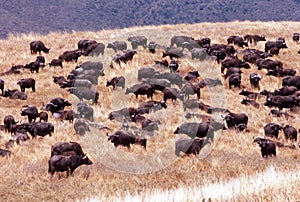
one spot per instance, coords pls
(233, 171)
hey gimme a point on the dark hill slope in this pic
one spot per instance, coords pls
(23, 16)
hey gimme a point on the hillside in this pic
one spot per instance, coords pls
(65, 16)
(229, 169)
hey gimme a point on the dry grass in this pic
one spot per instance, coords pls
(233, 170)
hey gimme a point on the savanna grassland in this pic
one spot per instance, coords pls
(231, 169)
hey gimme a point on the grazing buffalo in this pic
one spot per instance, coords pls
(233, 119)
(254, 38)
(124, 113)
(38, 46)
(26, 83)
(39, 129)
(290, 132)
(279, 44)
(116, 82)
(8, 122)
(125, 139)
(138, 41)
(81, 126)
(33, 66)
(174, 78)
(272, 130)
(56, 63)
(61, 148)
(158, 84)
(268, 147)
(2, 86)
(31, 112)
(85, 93)
(237, 40)
(189, 146)
(254, 80)
(61, 163)
(69, 56)
(291, 81)
(59, 80)
(235, 80)
(124, 58)
(117, 45)
(15, 94)
(190, 89)
(296, 37)
(171, 93)
(180, 40)
(141, 89)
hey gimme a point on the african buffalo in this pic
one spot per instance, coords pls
(268, 147)
(60, 148)
(233, 119)
(8, 122)
(272, 130)
(117, 45)
(141, 89)
(254, 80)
(189, 146)
(237, 40)
(56, 63)
(233, 62)
(38, 46)
(39, 129)
(85, 93)
(290, 132)
(85, 111)
(15, 94)
(61, 163)
(125, 139)
(26, 83)
(69, 56)
(81, 126)
(116, 82)
(278, 44)
(31, 112)
(137, 41)
(254, 38)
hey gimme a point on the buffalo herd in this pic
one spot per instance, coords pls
(164, 78)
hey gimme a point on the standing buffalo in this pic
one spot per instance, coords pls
(126, 139)
(38, 46)
(85, 43)
(233, 119)
(138, 41)
(290, 132)
(8, 122)
(85, 93)
(81, 126)
(26, 83)
(268, 147)
(141, 89)
(56, 63)
(69, 56)
(189, 146)
(117, 45)
(277, 44)
(254, 38)
(254, 80)
(296, 37)
(61, 163)
(237, 40)
(31, 112)
(272, 129)
(116, 82)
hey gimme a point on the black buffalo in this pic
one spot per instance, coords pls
(69, 56)
(272, 130)
(81, 126)
(39, 129)
(61, 163)
(268, 147)
(38, 46)
(56, 63)
(254, 38)
(290, 132)
(31, 112)
(122, 138)
(138, 41)
(26, 83)
(8, 122)
(189, 146)
(116, 82)
(141, 89)
(279, 44)
(61, 148)
(237, 40)
(234, 119)
(15, 94)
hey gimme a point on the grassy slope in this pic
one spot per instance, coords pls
(25, 176)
